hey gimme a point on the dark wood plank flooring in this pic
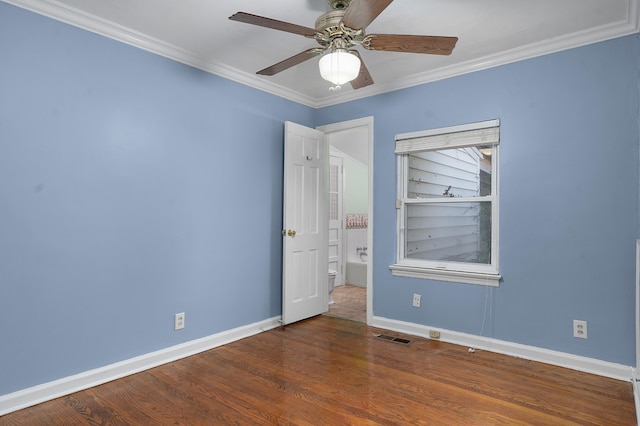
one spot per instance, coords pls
(329, 371)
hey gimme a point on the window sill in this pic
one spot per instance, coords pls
(492, 280)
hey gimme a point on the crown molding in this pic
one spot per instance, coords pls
(253, 81)
(61, 12)
(631, 25)
(77, 18)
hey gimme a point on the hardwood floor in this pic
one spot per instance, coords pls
(329, 371)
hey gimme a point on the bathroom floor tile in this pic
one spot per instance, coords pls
(351, 303)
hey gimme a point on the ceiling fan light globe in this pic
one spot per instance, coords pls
(339, 67)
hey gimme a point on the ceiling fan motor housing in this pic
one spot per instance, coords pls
(329, 21)
(329, 32)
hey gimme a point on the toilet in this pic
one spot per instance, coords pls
(332, 285)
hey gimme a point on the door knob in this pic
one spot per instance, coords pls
(291, 233)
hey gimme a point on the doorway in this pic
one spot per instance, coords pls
(351, 145)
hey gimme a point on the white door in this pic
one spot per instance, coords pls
(335, 216)
(305, 224)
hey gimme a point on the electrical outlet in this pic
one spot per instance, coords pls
(580, 329)
(416, 300)
(434, 334)
(178, 321)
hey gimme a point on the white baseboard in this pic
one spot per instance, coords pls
(67, 385)
(636, 394)
(562, 359)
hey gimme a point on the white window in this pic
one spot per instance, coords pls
(448, 204)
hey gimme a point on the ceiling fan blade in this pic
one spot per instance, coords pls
(433, 45)
(364, 78)
(290, 62)
(248, 18)
(361, 13)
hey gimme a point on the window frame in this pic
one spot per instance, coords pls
(467, 135)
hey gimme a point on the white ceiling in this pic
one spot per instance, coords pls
(491, 33)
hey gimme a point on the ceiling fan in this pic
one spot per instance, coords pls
(341, 29)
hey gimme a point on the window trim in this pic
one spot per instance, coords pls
(472, 134)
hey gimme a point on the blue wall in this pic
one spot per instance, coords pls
(131, 188)
(568, 201)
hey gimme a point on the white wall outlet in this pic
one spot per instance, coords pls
(416, 300)
(580, 329)
(178, 321)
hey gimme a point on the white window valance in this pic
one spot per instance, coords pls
(486, 133)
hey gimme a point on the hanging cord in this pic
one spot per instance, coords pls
(488, 303)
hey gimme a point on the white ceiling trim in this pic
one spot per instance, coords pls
(252, 80)
(78, 18)
(606, 32)
(72, 16)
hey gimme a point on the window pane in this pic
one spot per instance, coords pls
(454, 232)
(460, 172)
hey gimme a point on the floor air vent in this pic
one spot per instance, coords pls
(392, 339)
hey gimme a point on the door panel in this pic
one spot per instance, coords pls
(305, 224)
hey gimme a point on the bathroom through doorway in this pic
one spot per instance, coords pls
(350, 226)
